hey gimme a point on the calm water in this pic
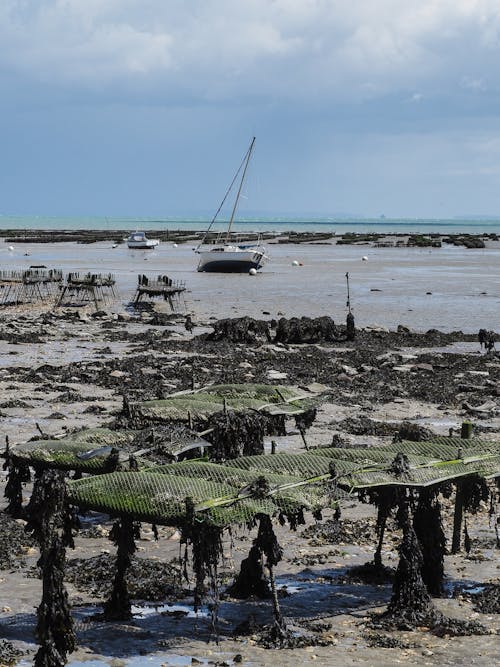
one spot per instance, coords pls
(336, 225)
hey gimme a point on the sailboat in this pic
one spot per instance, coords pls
(226, 257)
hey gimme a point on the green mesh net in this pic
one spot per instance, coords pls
(430, 462)
(85, 451)
(280, 483)
(203, 403)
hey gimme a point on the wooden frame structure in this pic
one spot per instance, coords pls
(162, 287)
(29, 286)
(91, 287)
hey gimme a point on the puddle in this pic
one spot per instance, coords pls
(166, 659)
(474, 590)
(140, 611)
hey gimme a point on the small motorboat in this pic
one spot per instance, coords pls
(139, 240)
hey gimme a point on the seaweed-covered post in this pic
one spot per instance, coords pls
(206, 544)
(493, 512)
(123, 534)
(410, 603)
(350, 327)
(303, 421)
(471, 491)
(18, 473)
(51, 521)
(267, 543)
(251, 580)
(384, 501)
(429, 530)
(236, 434)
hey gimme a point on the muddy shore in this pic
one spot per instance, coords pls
(451, 288)
(71, 369)
(380, 239)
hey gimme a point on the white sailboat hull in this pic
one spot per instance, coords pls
(231, 259)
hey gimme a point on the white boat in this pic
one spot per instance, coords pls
(226, 257)
(139, 240)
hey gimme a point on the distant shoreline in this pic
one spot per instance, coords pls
(382, 238)
(266, 225)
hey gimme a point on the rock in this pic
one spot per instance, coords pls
(276, 375)
(424, 367)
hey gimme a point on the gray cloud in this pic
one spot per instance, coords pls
(215, 49)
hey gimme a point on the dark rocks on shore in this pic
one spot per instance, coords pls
(14, 543)
(294, 330)
(240, 330)
(147, 579)
(306, 330)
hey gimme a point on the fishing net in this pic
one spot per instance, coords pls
(94, 450)
(274, 400)
(85, 451)
(147, 496)
(429, 462)
(288, 492)
(220, 495)
(279, 483)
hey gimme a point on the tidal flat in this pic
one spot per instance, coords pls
(415, 360)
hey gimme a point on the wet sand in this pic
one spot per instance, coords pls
(53, 382)
(450, 288)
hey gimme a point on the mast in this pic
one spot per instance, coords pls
(249, 154)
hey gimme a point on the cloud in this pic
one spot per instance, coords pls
(299, 50)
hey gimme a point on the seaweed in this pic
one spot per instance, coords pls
(236, 434)
(410, 605)
(51, 520)
(240, 330)
(123, 535)
(206, 544)
(18, 474)
(429, 530)
(306, 330)
(267, 542)
(251, 580)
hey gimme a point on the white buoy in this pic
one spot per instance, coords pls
(295, 263)
(174, 245)
(115, 245)
(252, 272)
(10, 248)
(364, 258)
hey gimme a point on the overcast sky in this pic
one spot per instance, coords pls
(145, 107)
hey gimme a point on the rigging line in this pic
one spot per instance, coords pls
(248, 155)
(225, 197)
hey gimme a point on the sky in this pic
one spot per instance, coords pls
(146, 107)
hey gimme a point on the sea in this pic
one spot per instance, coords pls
(259, 224)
